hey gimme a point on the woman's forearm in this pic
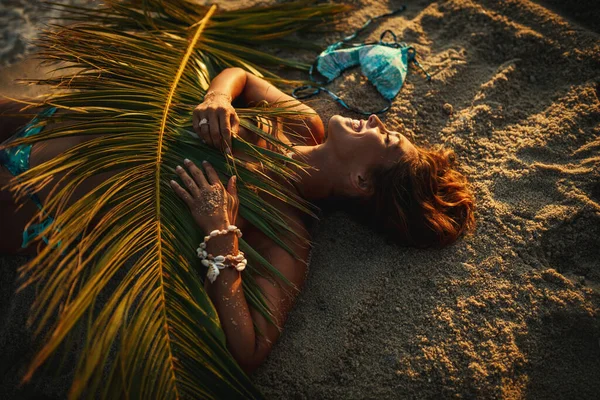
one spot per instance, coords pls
(227, 295)
(230, 81)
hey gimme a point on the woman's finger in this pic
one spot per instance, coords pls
(231, 187)
(232, 190)
(197, 173)
(196, 121)
(182, 193)
(224, 123)
(213, 177)
(188, 181)
(235, 123)
(205, 128)
(215, 131)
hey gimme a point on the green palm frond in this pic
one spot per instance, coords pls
(140, 68)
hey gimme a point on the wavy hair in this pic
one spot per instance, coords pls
(423, 200)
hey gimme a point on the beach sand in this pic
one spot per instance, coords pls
(510, 311)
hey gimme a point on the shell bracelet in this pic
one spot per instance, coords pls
(217, 263)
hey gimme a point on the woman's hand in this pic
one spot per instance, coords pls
(211, 205)
(221, 120)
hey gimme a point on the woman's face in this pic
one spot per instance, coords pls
(366, 143)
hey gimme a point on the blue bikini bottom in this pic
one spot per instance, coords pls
(16, 160)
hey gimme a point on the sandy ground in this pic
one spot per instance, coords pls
(510, 311)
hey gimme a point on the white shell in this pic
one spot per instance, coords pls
(214, 233)
(219, 265)
(240, 266)
(244, 261)
(239, 257)
(206, 238)
(219, 259)
(206, 263)
(239, 233)
(202, 245)
(212, 273)
(204, 254)
(231, 228)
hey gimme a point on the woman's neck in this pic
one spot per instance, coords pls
(315, 182)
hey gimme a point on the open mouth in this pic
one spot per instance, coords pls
(356, 124)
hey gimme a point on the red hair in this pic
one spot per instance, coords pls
(423, 200)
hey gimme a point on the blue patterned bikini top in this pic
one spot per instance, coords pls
(384, 63)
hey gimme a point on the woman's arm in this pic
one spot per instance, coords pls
(226, 292)
(235, 83)
(227, 295)
(237, 318)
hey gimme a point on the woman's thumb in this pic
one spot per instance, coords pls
(231, 188)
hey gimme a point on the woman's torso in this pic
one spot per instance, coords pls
(256, 238)
(44, 151)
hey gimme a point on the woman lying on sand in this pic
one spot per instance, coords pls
(415, 195)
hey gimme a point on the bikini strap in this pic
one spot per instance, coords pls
(307, 91)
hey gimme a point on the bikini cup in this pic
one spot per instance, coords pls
(383, 63)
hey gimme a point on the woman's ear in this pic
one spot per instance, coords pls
(361, 184)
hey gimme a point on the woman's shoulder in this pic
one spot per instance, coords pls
(306, 130)
(258, 90)
(309, 130)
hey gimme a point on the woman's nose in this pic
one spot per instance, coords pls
(373, 120)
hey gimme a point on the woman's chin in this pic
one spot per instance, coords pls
(336, 123)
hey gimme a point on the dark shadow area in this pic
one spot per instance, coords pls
(574, 247)
(18, 345)
(16, 341)
(583, 12)
(564, 359)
